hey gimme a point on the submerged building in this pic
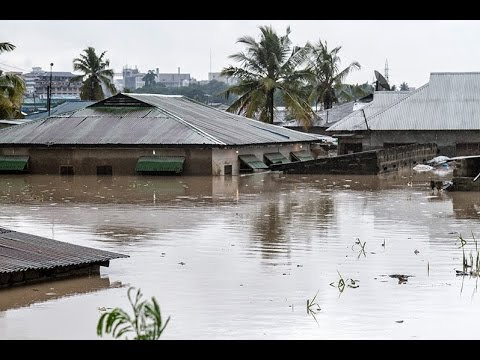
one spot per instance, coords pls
(129, 134)
(445, 111)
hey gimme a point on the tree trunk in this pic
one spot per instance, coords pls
(270, 106)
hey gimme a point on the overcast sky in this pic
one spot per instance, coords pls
(413, 48)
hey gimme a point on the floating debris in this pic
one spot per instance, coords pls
(402, 279)
(182, 263)
(416, 252)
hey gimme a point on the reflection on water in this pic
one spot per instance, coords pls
(22, 296)
(237, 257)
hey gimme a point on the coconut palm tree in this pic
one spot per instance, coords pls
(95, 74)
(325, 74)
(149, 78)
(12, 90)
(268, 66)
(5, 46)
(404, 86)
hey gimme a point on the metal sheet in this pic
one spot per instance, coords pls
(160, 164)
(252, 162)
(21, 251)
(13, 163)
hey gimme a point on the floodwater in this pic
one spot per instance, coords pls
(238, 257)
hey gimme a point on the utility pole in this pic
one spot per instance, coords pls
(49, 92)
(386, 70)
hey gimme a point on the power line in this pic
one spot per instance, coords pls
(14, 67)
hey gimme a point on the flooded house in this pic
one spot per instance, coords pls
(130, 134)
(445, 111)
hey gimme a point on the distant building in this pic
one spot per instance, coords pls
(445, 111)
(132, 78)
(38, 80)
(173, 79)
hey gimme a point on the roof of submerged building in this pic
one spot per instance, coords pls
(149, 119)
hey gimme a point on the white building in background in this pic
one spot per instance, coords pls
(38, 80)
(173, 79)
(118, 81)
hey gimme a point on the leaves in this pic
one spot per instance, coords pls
(12, 90)
(266, 67)
(95, 74)
(146, 323)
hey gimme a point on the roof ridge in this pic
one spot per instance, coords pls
(421, 88)
(175, 117)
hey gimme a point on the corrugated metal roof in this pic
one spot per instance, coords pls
(450, 101)
(21, 251)
(66, 107)
(170, 120)
(327, 117)
(381, 101)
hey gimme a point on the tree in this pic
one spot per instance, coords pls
(325, 75)
(95, 74)
(149, 78)
(404, 86)
(349, 92)
(12, 90)
(267, 67)
(393, 88)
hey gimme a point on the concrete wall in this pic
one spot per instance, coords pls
(445, 140)
(364, 163)
(222, 157)
(122, 160)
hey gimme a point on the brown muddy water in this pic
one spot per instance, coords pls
(254, 249)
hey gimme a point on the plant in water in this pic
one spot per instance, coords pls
(146, 322)
(358, 243)
(312, 306)
(341, 284)
(469, 262)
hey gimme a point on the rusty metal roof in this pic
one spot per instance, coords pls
(146, 119)
(20, 252)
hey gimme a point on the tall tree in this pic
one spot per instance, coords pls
(12, 90)
(149, 78)
(95, 74)
(325, 74)
(268, 66)
(404, 86)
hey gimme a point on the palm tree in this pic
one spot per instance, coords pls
(149, 78)
(5, 46)
(266, 67)
(404, 86)
(12, 90)
(95, 74)
(325, 75)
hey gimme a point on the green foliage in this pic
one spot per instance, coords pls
(207, 93)
(146, 321)
(95, 74)
(267, 67)
(149, 78)
(404, 86)
(12, 90)
(324, 74)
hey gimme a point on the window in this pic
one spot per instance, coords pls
(227, 170)
(66, 170)
(104, 170)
